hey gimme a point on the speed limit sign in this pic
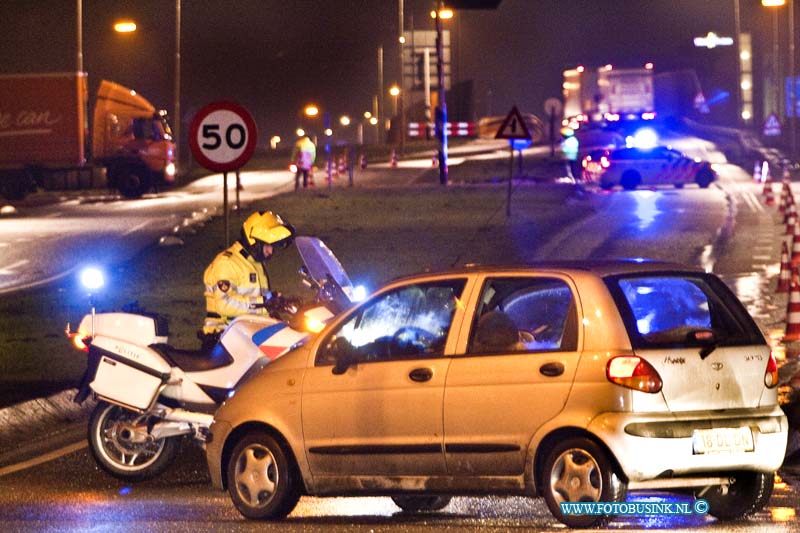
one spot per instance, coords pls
(223, 136)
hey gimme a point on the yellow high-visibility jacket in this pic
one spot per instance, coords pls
(234, 283)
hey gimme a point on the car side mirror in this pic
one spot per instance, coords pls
(342, 353)
(343, 362)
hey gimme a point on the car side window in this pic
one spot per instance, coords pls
(410, 322)
(524, 315)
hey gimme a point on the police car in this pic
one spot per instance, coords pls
(632, 167)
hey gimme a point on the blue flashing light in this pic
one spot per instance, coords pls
(359, 293)
(645, 138)
(92, 278)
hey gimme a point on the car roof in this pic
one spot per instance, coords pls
(601, 268)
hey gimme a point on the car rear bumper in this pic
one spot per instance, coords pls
(648, 446)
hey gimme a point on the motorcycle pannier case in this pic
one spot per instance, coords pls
(126, 385)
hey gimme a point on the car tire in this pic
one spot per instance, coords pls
(417, 504)
(748, 494)
(261, 481)
(630, 180)
(704, 178)
(579, 470)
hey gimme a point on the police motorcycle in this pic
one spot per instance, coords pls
(150, 394)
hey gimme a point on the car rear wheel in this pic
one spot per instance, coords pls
(748, 494)
(579, 470)
(416, 504)
(630, 180)
(704, 178)
(261, 481)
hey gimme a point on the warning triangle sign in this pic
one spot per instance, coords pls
(772, 126)
(513, 127)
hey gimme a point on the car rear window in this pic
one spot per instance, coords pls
(661, 310)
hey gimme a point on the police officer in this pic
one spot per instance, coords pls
(303, 156)
(236, 281)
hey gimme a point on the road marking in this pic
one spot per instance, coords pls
(9, 270)
(137, 227)
(45, 458)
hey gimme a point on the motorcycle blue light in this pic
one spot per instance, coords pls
(92, 278)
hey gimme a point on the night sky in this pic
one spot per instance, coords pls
(275, 56)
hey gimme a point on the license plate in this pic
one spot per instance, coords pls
(722, 440)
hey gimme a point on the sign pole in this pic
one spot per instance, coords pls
(510, 176)
(225, 206)
(238, 188)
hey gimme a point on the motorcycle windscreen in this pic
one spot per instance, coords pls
(320, 261)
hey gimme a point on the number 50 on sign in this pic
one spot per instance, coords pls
(223, 136)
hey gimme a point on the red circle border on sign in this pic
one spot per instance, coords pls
(252, 136)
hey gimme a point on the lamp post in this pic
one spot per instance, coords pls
(441, 110)
(399, 101)
(394, 90)
(774, 4)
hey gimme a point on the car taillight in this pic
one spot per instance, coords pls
(771, 374)
(634, 373)
(604, 162)
(585, 161)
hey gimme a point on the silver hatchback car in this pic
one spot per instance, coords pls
(577, 382)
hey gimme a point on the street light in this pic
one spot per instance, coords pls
(394, 90)
(125, 26)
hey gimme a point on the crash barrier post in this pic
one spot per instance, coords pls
(394, 159)
(363, 162)
(435, 160)
(785, 276)
(757, 172)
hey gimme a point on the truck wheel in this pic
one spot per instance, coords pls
(630, 180)
(133, 182)
(15, 185)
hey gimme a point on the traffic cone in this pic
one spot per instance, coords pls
(341, 164)
(435, 160)
(394, 159)
(311, 177)
(769, 199)
(787, 177)
(784, 201)
(795, 257)
(793, 313)
(791, 219)
(757, 172)
(363, 162)
(766, 173)
(785, 276)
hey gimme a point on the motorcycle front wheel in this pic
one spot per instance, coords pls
(122, 446)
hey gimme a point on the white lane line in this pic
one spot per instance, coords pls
(9, 270)
(45, 458)
(137, 227)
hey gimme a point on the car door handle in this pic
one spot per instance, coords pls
(421, 374)
(551, 369)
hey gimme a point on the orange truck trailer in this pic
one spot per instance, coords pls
(45, 140)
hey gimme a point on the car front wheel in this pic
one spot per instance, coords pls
(261, 482)
(748, 494)
(630, 180)
(578, 470)
(416, 504)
